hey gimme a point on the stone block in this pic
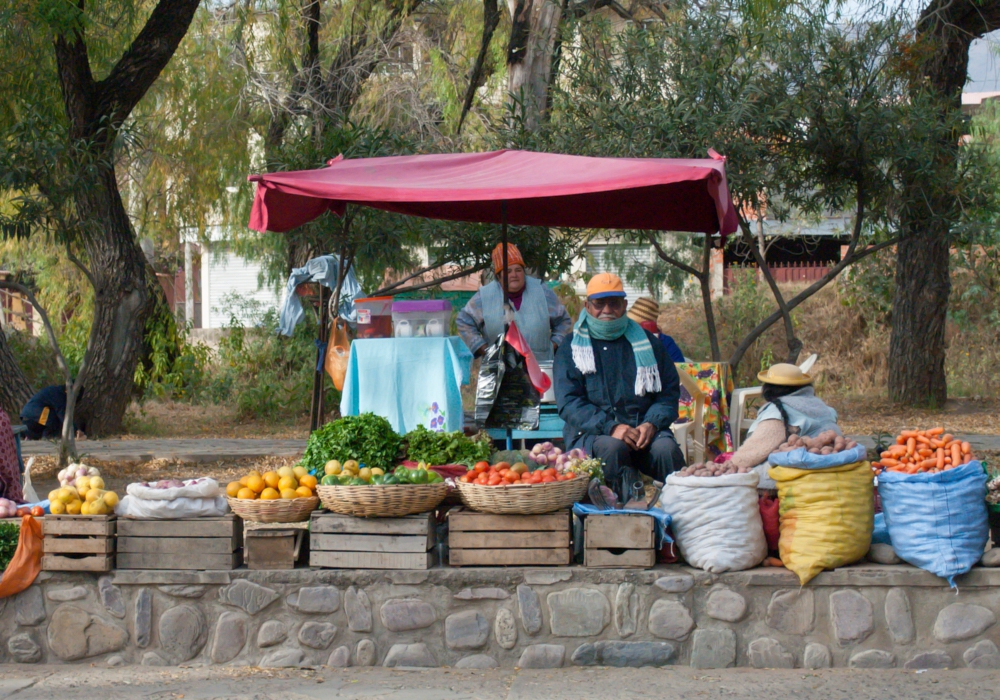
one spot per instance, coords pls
(983, 655)
(623, 654)
(531, 609)
(547, 578)
(409, 578)
(271, 633)
(669, 619)
(852, 616)
(315, 600)
(675, 583)
(578, 612)
(30, 607)
(358, 609)
(339, 658)
(929, 660)
(883, 554)
(247, 595)
(791, 611)
(816, 656)
(482, 594)
(768, 653)
(404, 615)
(626, 610)
(143, 618)
(230, 636)
(409, 655)
(183, 591)
(116, 660)
(477, 661)
(283, 658)
(726, 605)
(74, 634)
(317, 635)
(713, 648)
(182, 632)
(898, 616)
(111, 597)
(542, 656)
(24, 649)
(991, 558)
(505, 629)
(67, 595)
(468, 629)
(961, 621)
(364, 653)
(873, 658)
(151, 658)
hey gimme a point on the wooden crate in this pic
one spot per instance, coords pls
(619, 541)
(192, 544)
(344, 542)
(482, 539)
(78, 542)
(268, 549)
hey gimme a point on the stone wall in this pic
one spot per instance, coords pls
(865, 616)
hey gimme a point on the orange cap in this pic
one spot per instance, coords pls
(604, 285)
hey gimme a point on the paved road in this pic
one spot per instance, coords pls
(212, 449)
(88, 681)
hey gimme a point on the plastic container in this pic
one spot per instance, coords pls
(374, 317)
(423, 318)
(550, 395)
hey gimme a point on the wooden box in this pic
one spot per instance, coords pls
(482, 539)
(345, 542)
(272, 548)
(192, 544)
(619, 541)
(78, 542)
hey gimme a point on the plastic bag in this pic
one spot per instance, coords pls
(27, 561)
(131, 506)
(505, 396)
(801, 458)
(769, 516)
(716, 520)
(192, 488)
(938, 522)
(338, 352)
(826, 516)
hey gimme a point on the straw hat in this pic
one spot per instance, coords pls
(784, 374)
(644, 309)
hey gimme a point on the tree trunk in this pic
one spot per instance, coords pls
(534, 25)
(15, 390)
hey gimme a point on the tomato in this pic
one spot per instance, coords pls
(482, 480)
(21, 512)
(548, 479)
(481, 466)
(38, 511)
(464, 478)
(551, 471)
(501, 465)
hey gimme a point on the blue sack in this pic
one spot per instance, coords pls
(801, 458)
(938, 522)
(880, 533)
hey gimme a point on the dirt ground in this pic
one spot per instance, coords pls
(171, 419)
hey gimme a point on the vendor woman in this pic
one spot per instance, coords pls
(540, 316)
(792, 407)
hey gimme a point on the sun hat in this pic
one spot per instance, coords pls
(644, 309)
(604, 285)
(784, 374)
(514, 257)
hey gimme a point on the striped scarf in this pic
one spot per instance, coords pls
(647, 374)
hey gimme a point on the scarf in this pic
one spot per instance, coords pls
(647, 374)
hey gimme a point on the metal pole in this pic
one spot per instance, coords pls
(503, 240)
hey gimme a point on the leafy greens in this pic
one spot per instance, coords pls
(367, 438)
(446, 448)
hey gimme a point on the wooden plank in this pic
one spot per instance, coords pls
(370, 543)
(58, 562)
(509, 557)
(470, 521)
(177, 545)
(224, 526)
(618, 532)
(372, 560)
(508, 540)
(422, 524)
(78, 545)
(78, 525)
(183, 562)
(271, 549)
(627, 559)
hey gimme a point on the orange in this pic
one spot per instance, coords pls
(244, 480)
(246, 494)
(256, 483)
(269, 494)
(304, 492)
(287, 482)
(253, 472)
(271, 479)
(309, 481)
(233, 488)
(289, 493)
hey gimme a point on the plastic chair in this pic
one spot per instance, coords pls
(741, 400)
(693, 429)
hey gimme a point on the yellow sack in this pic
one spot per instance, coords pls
(826, 516)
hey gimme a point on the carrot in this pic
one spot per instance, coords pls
(966, 448)
(940, 458)
(927, 463)
(925, 452)
(911, 445)
(901, 440)
(956, 454)
(935, 431)
(890, 462)
(935, 443)
(912, 469)
(908, 434)
(947, 437)
(923, 439)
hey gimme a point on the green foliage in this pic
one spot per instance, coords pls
(9, 535)
(367, 438)
(424, 445)
(36, 359)
(174, 368)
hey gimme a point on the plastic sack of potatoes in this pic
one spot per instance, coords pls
(826, 516)
(716, 520)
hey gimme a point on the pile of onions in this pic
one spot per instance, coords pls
(170, 483)
(546, 455)
(8, 509)
(69, 475)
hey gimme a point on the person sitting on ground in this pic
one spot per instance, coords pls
(645, 311)
(791, 407)
(540, 316)
(43, 414)
(617, 391)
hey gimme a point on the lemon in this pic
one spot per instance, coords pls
(271, 479)
(99, 508)
(351, 465)
(110, 499)
(289, 493)
(287, 482)
(285, 472)
(92, 495)
(378, 471)
(56, 507)
(365, 474)
(96, 482)
(54, 495)
(82, 483)
(73, 508)
(66, 495)
(233, 488)
(246, 494)
(303, 492)
(269, 494)
(333, 467)
(299, 472)
(85, 508)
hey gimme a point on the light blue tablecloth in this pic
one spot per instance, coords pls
(408, 381)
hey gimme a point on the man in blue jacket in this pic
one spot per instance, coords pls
(618, 391)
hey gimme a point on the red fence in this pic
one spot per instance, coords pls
(784, 273)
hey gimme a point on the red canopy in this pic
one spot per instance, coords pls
(540, 189)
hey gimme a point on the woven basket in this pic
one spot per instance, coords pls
(382, 501)
(279, 510)
(523, 499)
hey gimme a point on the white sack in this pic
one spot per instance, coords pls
(716, 520)
(192, 488)
(170, 510)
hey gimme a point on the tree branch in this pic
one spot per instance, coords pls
(440, 280)
(491, 18)
(399, 283)
(651, 237)
(83, 268)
